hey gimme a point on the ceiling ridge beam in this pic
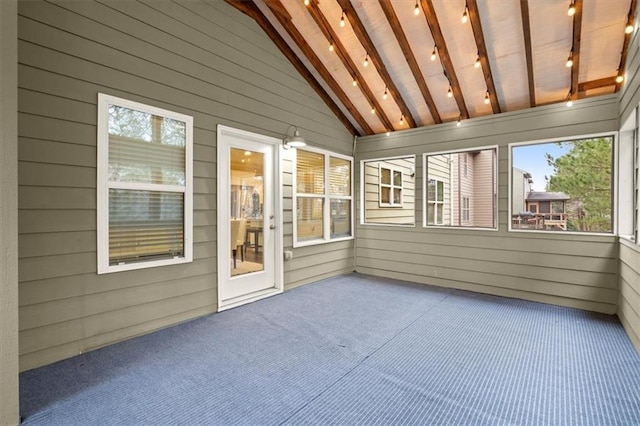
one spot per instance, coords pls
(622, 67)
(575, 49)
(476, 26)
(315, 61)
(251, 10)
(394, 22)
(445, 59)
(526, 29)
(348, 63)
(365, 40)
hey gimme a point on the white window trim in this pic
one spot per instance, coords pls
(614, 187)
(326, 197)
(392, 186)
(103, 185)
(497, 196)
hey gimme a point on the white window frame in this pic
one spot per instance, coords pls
(391, 185)
(438, 221)
(614, 185)
(466, 209)
(425, 157)
(103, 185)
(326, 197)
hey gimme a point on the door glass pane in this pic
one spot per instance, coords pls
(246, 204)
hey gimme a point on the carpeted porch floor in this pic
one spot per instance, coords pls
(354, 350)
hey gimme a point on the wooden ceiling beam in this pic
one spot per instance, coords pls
(476, 26)
(387, 8)
(597, 84)
(622, 67)
(369, 47)
(575, 49)
(526, 29)
(250, 9)
(285, 20)
(341, 51)
(447, 64)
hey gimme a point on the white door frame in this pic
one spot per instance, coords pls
(223, 217)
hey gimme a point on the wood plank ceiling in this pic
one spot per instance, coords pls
(396, 64)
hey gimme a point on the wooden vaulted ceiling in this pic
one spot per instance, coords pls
(385, 65)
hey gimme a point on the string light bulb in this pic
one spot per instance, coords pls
(342, 23)
(373, 110)
(306, 2)
(477, 64)
(465, 14)
(459, 122)
(433, 53)
(572, 8)
(486, 98)
(355, 82)
(331, 46)
(450, 92)
(569, 63)
(366, 60)
(416, 10)
(384, 96)
(619, 78)
(402, 120)
(569, 100)
(629, 28)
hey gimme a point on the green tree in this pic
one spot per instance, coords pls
(584, 173)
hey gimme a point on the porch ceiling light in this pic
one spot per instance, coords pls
(295, 141)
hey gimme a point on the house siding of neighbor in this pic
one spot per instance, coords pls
(207, 60)
(401, 214)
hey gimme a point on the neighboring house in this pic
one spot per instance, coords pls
(462, 188)
(536, 209)
(389, 191)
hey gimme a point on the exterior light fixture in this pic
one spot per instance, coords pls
(572, 8)
(295, 141)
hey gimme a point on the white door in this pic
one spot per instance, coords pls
(249, 217)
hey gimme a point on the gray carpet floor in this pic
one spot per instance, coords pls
(354, 350)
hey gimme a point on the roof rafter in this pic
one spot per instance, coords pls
(447, 64)
(526, 29)
(284, 19)
(341, 51)
(365, 40)
(476, 26)
(575, 49)
(387, 8)
(251, 10)
(597, 84)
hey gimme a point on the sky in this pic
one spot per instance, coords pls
(531, 158)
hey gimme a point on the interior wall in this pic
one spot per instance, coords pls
(629, 300)
(565, 269)
(8, 214)
(205, 59)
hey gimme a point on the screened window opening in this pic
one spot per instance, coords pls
(144, 185)
(323, 197)
(461, 189)
(563, 186)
